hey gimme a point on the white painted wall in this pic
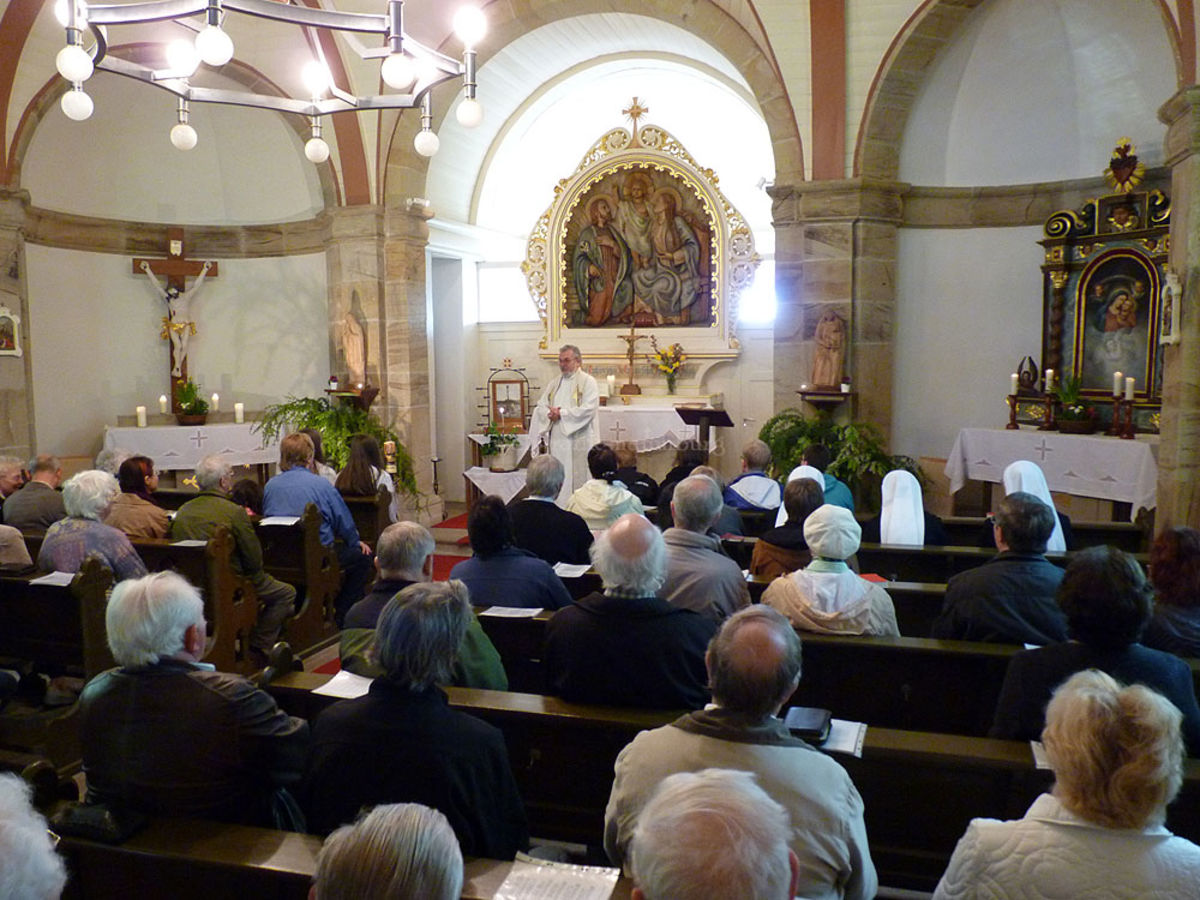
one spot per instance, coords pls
(96, 351)
(968, 310)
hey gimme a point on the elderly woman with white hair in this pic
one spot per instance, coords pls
(827, 596)
(1117, 758)
(87, 497)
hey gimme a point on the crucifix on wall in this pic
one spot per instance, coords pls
(178, 325)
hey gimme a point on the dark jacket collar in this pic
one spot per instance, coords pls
(727, 725)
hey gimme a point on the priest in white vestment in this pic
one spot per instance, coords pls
(565, 420)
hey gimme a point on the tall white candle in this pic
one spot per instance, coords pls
(1013, 381)
(239, 412)
(1049, 379)
(216, 403)
(141, 416)
(1129, 388)
(612, 383)
(1116, 383)
(162, 403)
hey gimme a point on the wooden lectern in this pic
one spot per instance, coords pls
(705, 418)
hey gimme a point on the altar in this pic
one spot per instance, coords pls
(1106, 468)
(181, 447)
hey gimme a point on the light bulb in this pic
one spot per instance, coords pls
(214, 45)
(76, 104)
(182, 57)
(73, 63)
(183, 136)
(469, 113)
(316, 150)
(60, 13)
(315, 77)
(470, 25)
(426, 143)
(398, 71)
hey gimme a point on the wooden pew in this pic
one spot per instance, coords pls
(295, 554)
(371, 515)
(917, 603)
(54, 625)
(966, 531)
(230, 600)
(188, 859)
(920, 789)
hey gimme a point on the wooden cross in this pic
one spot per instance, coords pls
(631, 340)
(175, 268)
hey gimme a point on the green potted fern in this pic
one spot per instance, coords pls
(193, 408)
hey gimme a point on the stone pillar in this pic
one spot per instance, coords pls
(835, 248)
(355, 269)
(1179, 450)
(16, 382)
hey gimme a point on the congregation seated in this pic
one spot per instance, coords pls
(638, 483)
(38, 504)
(714, 833)
(87, 496)
(1175, 574)
(799, 473)
(542, 527)
(319, 464)
(364, 475)
(403, 558)
(134, 511)
(501, 574)
(397, 851)
(30, 869)
(754, 667)
(289, 492)
(603, 499)
(729, 520)
(1027, 476)
(827, 596)
(14, 555)
(402, 742)
(700, 576)
(689, 454)
(248, 494)
(198, 518)
(782, 549)
(754, 489)
(903, 518)
(837, 493)
(1117, 755)
(164, 734)
(624, 646)
(12, 476)
(1107, 602)
(1009, 599)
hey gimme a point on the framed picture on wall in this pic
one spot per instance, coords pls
(10, 332)
(1116, 318)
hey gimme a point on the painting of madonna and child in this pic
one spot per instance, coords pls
(638, 250)
(1115, 318)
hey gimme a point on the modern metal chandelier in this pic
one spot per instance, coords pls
(409, 67)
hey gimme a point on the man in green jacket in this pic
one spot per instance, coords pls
(197, 519)
(404, 556)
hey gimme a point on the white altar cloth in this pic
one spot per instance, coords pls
(178, 447)
(505, 485)
(1083, 465)
(650, 428)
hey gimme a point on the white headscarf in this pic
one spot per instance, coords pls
(799, 472)
(1024, 475)
(903, 517)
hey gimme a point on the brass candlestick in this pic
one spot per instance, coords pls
(1012, 413)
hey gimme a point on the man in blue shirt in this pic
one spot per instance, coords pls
(754, 489)
(296, 485)
(836, 491)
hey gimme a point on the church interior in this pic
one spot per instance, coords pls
(892, 163)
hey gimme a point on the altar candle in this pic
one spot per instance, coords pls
(1116, 383)
(141, 416)
(239, 413)
(162, 403)
(1129, 389)
(612, 383)
(216, 402)
(1049, 379)
(1013, 381)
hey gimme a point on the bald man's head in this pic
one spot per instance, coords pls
(631, 556)
(754, 662)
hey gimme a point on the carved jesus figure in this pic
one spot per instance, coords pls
(178, 324)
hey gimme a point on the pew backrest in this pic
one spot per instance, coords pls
(295, 554)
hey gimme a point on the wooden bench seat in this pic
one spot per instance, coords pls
(295, 554)
(1131, 537)
(920, 789)
(371, 515)
(917, 603)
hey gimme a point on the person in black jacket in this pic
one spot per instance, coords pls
(542, 527)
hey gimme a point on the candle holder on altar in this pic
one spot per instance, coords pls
(1048, 422)
(1127, 431)
(1114, 428)
(1012, 414)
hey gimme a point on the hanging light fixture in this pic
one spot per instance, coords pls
(408, 68)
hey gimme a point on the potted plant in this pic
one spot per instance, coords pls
(499, 451)
(193, 408)
(1075, 414)
(857, 452)
(337, 423)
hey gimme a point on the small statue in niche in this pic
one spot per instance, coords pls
(354, 344)
(831, 350)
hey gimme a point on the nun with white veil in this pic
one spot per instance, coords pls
(903, 519)
(1025, 475)
(799, 472)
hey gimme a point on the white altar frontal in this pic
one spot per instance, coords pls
(181, 447)
(1107, 468)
